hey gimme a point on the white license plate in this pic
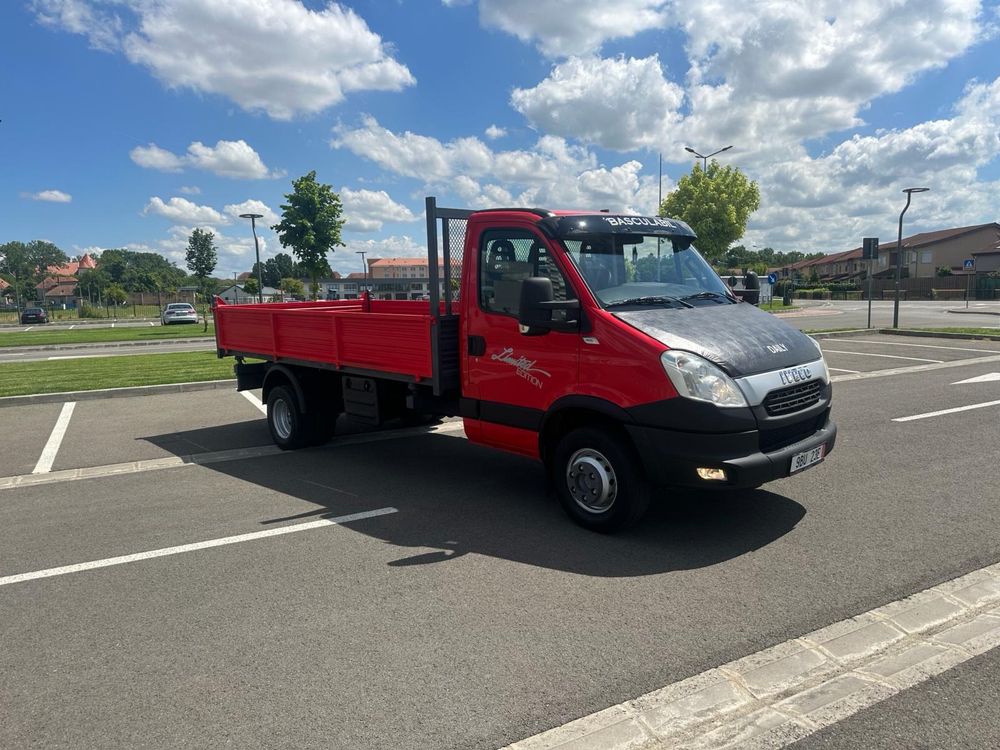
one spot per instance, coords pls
(807, 458)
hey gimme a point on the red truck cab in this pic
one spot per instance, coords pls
(602, 345)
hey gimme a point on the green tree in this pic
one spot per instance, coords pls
(310, 225)
(116, 294)
(201, 258)
(717, 204)
(26, 264)
(292, 287)
(251, 287)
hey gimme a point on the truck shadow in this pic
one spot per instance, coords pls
(456, 498)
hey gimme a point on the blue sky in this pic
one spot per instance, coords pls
(127, 123)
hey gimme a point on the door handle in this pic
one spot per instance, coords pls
(477, 346)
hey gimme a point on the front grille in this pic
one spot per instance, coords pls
(779, 437)
(793, 398)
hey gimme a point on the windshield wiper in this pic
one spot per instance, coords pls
(652, 300)
(708, 295)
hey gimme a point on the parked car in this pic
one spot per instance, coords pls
(178, 312)
(34, 315)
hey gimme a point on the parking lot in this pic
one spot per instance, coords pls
(168, 578)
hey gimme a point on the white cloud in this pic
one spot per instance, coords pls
(184, 211)
(621, 103)
(253, 52)
(367, 210)
(50, 196)
(190, 190)
(567, 27)
(493, 132)
(235, 159)
(252, 206)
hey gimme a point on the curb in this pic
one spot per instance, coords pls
(940, 334)
(974, 312)
(104, 345)
(842, 334)
(140, 390)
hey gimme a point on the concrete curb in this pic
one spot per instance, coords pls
(974, 312)
(141, 390)
(939, 334)
(842, 334)
(105, 345)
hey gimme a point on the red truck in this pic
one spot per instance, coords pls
(603, 345)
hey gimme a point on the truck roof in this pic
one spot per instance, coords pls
(567, 223)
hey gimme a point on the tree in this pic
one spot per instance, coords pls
(717, 204)
(251, 287)
(201, 258)
(115, 294)
(292, 287)
(310, 225)
(25, 264)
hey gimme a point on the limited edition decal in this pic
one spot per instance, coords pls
(524, 367)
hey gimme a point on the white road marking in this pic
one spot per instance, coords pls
(204, 459)
(72, 326)
(79, 356)
(181, 549)
(841, 369)
(915, 368)
(987, 378)
(923, 346)
(28, 329)
(45, 461)
(151, 323)
(930, 414)
(777, 696)
(255, 401)
(887, 356)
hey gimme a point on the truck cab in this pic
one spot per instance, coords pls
(602, 345)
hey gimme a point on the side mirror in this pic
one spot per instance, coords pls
(536, 305)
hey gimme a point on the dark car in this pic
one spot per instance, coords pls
(34, 315)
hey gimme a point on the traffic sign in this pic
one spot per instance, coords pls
(969, 264)
(869, 248)
(772, 278)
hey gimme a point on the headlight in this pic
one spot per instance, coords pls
(697, 378)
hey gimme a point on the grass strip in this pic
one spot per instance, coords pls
(45, 337)
(967, 331)
(85, 374)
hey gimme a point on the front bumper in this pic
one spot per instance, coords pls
(670, 457)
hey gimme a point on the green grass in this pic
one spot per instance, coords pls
(778, 305)
(967, 331)
(53, 376)
(85, 335)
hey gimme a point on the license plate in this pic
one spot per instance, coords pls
(807, 458)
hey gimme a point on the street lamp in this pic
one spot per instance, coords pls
(365, 264)
(256, 246)
(704, 159)
(899, 252)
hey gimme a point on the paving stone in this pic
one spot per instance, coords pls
(923, 615)
(765, 728)
(862, 642)
(979, 594)
(710, 702)
(976, 636)
(835, 699)
(913, 664)
(625, 735)
(782, 668)
(558, 736)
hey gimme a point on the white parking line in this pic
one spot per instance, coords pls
(887, 356)
(72, 326)
(930, 414)
(75, 356)
(841, 369)
(915, 368)
(777, 696)
(164, 552)
(924, 346)
(45, 461)
(255, 401)
(28, 329)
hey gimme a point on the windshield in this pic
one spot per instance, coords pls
(642, 269)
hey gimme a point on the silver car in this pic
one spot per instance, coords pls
(178, 312)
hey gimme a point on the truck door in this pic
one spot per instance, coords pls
(512, 378)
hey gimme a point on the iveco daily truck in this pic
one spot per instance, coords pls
(602, 345)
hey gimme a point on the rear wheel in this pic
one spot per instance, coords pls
(599, 480)
(288, 426)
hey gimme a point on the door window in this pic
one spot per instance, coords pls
(506, 258)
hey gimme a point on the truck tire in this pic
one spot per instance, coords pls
(598, 479)
(288, 425)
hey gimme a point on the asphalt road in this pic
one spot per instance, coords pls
(475, 614)
(816, 315)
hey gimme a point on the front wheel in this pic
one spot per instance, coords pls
(598, 479)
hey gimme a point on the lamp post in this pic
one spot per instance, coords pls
(704, 159)
(362, 253)
(899, 252)
(256, 246)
